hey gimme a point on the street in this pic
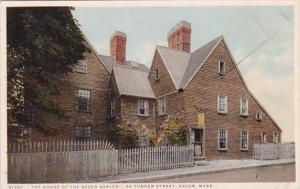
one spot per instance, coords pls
(282, 173)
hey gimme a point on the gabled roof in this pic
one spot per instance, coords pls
(109, 62)
(182, 66)
(132, 82)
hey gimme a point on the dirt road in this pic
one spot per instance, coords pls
(283, 173)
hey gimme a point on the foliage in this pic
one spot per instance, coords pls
(43, 45)
(173, 130)
(129, 132)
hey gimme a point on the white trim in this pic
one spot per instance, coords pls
(219, 68)
(260, 116)
(77, 65)
(263, 137)
(159, 105)
(203, 62)
(241, 107)
(226, 140)
(146, 108)
(241, 148)
(218, 106)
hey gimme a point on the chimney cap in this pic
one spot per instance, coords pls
(118, 33)
(180, 24)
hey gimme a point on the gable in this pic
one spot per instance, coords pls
(231, 83)
(165, 84)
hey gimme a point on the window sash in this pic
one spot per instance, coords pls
(222, 104)
(81, 66)
(83, 100)
(258, 116)
(244, 140)
(222, 139)
(221, 68)
(161, 106)
(275, 137)
(82, 131)
(244, 106)
(143, 107)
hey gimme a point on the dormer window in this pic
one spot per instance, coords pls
(81, 66)
(221, 68)
(258, 116)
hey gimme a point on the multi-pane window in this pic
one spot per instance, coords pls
(221, 68)
(81, 66)
(113, 108)
(275, 137)
(244, 106)
(258, 116)
(244, 140)
(222, 104)
(161, 106)
(82, 131)
(222, 139)
(83, 100)
(264, 137)
(143, 107)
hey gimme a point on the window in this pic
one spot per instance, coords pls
(275, 137)
(157, 75)
(221, 68)
(113, 108)
(82, 131)
(244, 140)
(83, 100)
(222, 104)
(258, 116)
(81, 66)
(264, 137)
(222, 139)
(161, 106)
(244, 106)
(143, 108)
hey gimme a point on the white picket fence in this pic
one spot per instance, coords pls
(73, 162)
(58, 146)
(155, 158)
(271, 151)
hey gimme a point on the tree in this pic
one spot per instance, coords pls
(43, 45)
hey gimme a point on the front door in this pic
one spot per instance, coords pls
(198, 142)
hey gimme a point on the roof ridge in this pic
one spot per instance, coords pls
(221, 36)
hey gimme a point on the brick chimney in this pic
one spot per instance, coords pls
(118, 47)
(179, 37)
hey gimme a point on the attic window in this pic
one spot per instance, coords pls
(221, 68)
(258, 116)
(157, 74)
(81, 66)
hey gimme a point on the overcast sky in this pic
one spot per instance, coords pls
(268, 72)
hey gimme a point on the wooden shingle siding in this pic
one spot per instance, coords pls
(96, 80)
(201, 96)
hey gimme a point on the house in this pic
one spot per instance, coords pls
(204, 87)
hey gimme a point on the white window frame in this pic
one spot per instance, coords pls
(162, 111)
(157, 74)
(225, 104)
(145, 103)
(226, 139)
(258, 116)
(81, 63)
(113, 107)
(219, 66)
(247, 140)
(241, 106)
(263, 137)
(275, 137)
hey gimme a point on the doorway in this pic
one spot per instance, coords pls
(198, 142)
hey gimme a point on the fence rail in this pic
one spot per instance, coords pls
(155, 158)
(58, 146)
(271, 151)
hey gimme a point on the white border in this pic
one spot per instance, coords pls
(112, 4)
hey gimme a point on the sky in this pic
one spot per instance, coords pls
(268, 71)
